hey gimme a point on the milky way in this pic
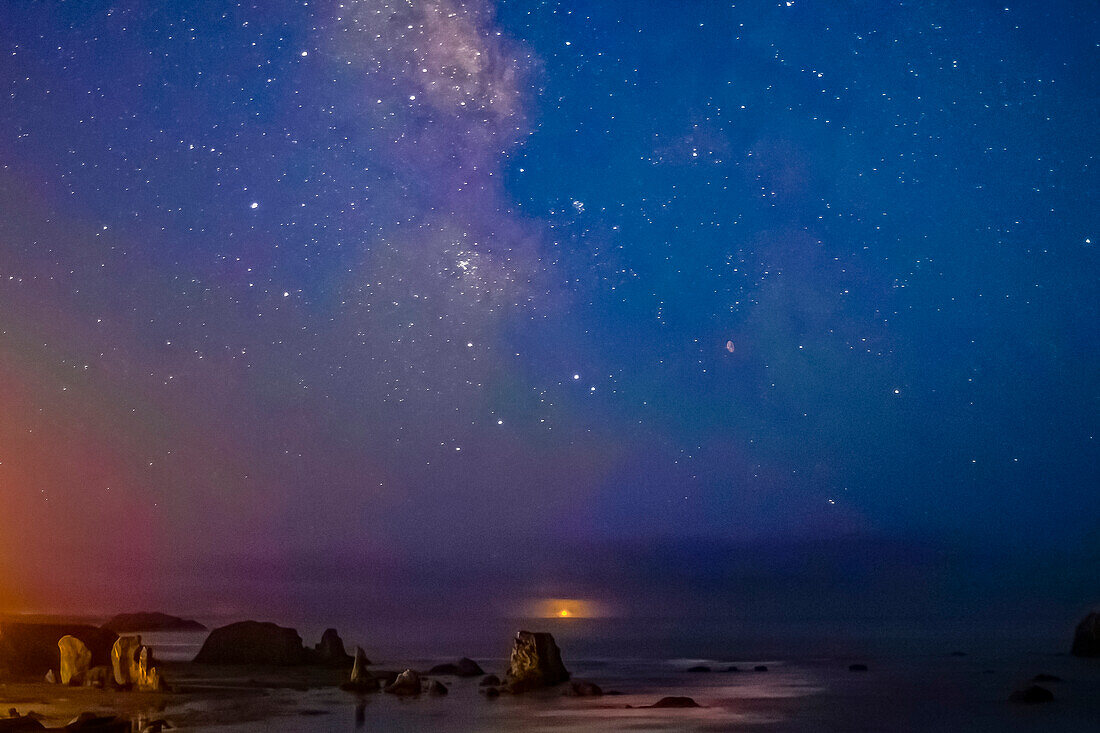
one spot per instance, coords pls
(402, 282)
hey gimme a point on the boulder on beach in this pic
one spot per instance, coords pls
(1032, 695)
(76, 660)
(1086, 638)
(128, 623)
(675, 702)
(535, 662)
(407, 683)
(30, 650)
(437, 688)
(253, 642)
(98, 677)
(330, 651)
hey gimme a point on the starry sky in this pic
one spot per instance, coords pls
(385, 288)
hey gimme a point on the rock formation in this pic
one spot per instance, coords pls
(124, 659)
(128, 623)
(1086, 639)
(535, 662)
(252, 642)
(30, 650)
(361, 680)
(132, 666)
(76, 660)
(330, 650)
(437, 688)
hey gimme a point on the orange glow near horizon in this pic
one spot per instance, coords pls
(565, 608)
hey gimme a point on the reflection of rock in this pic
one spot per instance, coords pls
(128, 623)
(76, 660)
(1086, 638)
(675, 702)
(407, 683)
(252, 642)
(331, 651)
(30, 650)
(535, 662)
(1032, 695)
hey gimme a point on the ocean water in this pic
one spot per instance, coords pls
(914, 681)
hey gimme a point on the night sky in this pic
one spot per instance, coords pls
(423, 289)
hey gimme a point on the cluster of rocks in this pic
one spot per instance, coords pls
(131, 666)
(535, 663)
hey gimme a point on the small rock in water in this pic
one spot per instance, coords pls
(1086, 637)
(444, 669)
(437, 688)
(699, 668)
(857, 667)
(492, 692)
(761, 668)
(13, 713)
(732, 668)
(1044, 677)
(675, 702)
(1032, 695)
(467, 667)
(583, 688)
(50, 678)
(489, 680)
(407, 683)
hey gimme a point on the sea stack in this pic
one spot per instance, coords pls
(535, 662)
